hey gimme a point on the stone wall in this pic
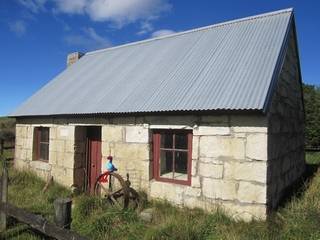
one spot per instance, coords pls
(61, 152)
(229, 157)
(229, 166)
(286, 161)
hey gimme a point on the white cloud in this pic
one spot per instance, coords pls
(33, 5)
(118, 12)
(145, 27)
(89, 39)
(162, 32)
(18, 27)
(71, 6)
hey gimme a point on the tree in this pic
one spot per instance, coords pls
(312, 110)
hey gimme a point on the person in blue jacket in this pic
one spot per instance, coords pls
(110, 167)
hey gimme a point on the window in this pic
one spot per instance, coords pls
(172, 156)
(41, 144)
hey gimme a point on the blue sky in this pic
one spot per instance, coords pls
(37, 35)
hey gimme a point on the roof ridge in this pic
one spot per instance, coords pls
(234, 21)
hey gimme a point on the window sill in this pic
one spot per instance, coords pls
(173, 181)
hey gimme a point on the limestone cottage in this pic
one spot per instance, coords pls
(208, 117)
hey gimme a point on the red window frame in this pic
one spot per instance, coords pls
(156, 156)
(37, 143)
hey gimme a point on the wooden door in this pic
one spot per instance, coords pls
(94, 155)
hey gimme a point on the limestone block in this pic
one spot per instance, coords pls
(168, 191)
(195, 147)
(252, 193)
(257, 146)
(69, 146)
(211, 170)
(237, 148)
(29, 154)
(245, 212)
(213, 146)
(211, 130)
(53, 133)
(57, 145)
(131, 151)
(21, 131)
(194, 192)
(65, 132)
(195, 182)
(219, 189)
(40, 165)
(194, 168)
(250, 171)
(137, 134)
(112, 133)
(53, 158)
(199, 202)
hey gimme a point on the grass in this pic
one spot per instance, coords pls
(298, 219)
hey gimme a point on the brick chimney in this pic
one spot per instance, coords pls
(73, 57)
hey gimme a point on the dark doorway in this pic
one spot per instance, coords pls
(87, 159)
(93, 150)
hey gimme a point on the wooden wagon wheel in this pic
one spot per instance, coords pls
(112, 187)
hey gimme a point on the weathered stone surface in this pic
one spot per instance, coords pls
(195, 182)
(219, 189)
(252, 193)
(195, 147)
(194, 192)
(112, 133)
(194, 167)
(257, 146)
(131, 151)
(211, 130)
(213, 146)
(170, 192)
(245, 212)
(40, 165)
(137, 134)
(211, 170)
(250, 171)
(147, 215)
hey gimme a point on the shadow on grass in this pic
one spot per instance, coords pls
(298, 187)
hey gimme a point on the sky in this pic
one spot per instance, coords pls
(37, 35)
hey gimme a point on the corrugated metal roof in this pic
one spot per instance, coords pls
(227, 66)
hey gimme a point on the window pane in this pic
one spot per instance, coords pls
(44, 151)
(166, 140)
(181, 165)
(181, 141)
(166, 159)
(44, 132)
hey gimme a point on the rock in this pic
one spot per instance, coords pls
(147, 214)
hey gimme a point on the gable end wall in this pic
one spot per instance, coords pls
(286, 161)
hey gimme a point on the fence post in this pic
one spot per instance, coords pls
(62, 207)
(4, 191)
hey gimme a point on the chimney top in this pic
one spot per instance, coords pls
(73, 57)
